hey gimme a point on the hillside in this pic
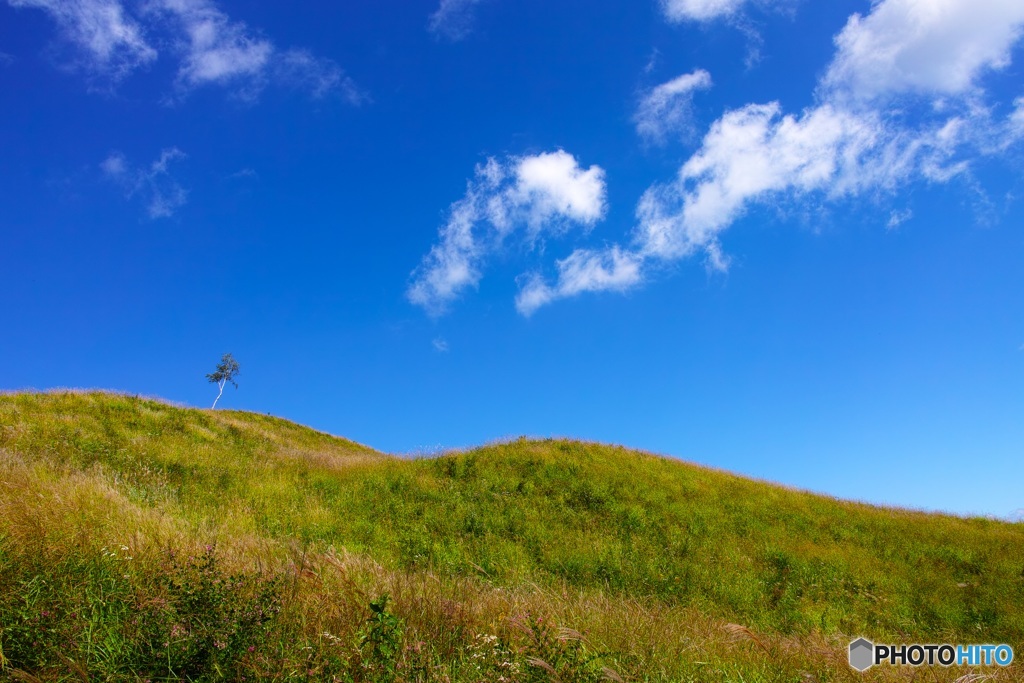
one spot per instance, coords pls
(139, 539)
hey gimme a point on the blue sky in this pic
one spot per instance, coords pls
(777, 237)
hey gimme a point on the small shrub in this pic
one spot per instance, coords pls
(380, 643)
(204, 623)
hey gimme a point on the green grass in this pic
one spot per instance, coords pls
(266, 548)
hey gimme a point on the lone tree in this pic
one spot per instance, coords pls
(226, 371)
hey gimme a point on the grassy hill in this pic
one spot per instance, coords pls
(139, 540)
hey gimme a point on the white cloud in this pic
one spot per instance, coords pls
(552, 185)
(453, 19)
(453, 264)
(213, 48)
(440, 345)
(754, 150)
(858, 138)
(319, 77)
(666, 109)
(700, 10)
(731, 11)
(898, 218)
(749, 154)
(756, 154)
(850, 142)
(160, 192)
(115, 166)
(1017, 118)
(932, 48)
(220, 51)
(112, 42)
(585, 270)
(216, 49)
(548, 192)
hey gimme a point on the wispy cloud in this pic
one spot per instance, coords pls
(6, 59)
(711, 10)
(453, 19)
(154, 185)
(585, 270)
(212, 48)
(1016, 120)
(110, 43)
(301, 70)
(729, 11)
(652, 61)
(215, 49)
(244, 174)
(700, 10)
(898, 218)
(548, 193)
(440, 345)
(667, 108)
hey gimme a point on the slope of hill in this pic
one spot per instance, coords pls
(139, 539)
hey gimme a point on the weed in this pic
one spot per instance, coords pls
(380, 642)
(559, 654)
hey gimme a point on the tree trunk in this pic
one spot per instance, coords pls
(221, 385)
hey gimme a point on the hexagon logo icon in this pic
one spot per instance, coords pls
(862, 654)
